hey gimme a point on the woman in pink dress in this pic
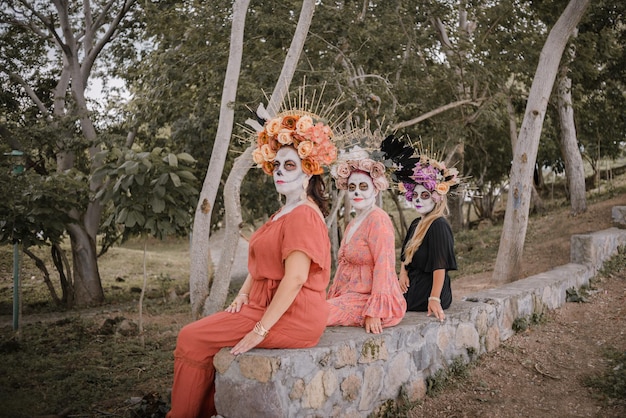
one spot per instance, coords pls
(365, 290)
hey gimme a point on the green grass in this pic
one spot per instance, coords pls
(70, 364)
(457, 370)
(611, 382)
(121, 273)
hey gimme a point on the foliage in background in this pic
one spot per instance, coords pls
(153, 194)
(35, 209)
(387, 62)
(150, 193)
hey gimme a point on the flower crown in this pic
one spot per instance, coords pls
(412, 170)
(434, 176)
(357, 159)
(305, 132)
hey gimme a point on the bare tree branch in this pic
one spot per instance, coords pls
(31, 93)
(435, 112)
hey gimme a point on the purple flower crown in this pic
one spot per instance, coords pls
(411, 170)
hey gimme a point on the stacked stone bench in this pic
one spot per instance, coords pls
(353, 374)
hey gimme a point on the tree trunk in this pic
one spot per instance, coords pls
(46, 275)
(200, 266)
(574, 169)
(401, 226)
(62, 264)
(75, 74)
(536, 203)
(510, 252)
(87, 285)
(456, 158)
(332, 223)
(142, 338)
(221, 282)
(233, 220)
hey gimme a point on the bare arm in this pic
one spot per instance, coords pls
(434, 305)
(243, 297)
(297, 267)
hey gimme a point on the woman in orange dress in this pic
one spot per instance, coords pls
(365, 291)
(282, 301)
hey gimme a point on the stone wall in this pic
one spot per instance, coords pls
(352, 374)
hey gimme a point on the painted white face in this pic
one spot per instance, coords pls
(361, 191)
(288, 174)
(422, 200)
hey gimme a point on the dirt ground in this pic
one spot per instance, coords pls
(541, 372)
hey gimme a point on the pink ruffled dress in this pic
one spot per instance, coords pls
(365, 282)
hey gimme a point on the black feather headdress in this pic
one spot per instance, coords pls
(410, 168)
(399, 157)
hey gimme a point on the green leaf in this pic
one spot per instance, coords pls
(132, 168)
(187, 175)
(159, 191)
(175, 179)
(118, 183)
(140, 179)
(100, 157)
(186, 158)
(131, 219)
(121, 216)
(128, 181)
(147, 163)
(172, 160)
(99, 175)
(158, 205)
(162, 179)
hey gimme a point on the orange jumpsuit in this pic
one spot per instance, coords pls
(300, 326)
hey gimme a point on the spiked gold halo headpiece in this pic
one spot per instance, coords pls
(300, 126)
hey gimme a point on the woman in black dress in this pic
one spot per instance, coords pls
(427, 256)
(428, 249)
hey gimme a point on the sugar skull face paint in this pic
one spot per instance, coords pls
(361, 191)
(288, 174)
(422, 200)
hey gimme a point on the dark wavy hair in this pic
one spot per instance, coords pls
(317, 192)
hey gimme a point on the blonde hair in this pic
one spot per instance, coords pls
(439, 211)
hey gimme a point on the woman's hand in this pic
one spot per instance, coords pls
(238, 302)
(373, 325)
(404, 280)
(434, 307)
(247, 343)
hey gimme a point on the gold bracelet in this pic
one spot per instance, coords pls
(242, 294)
(434, 298)
(260, 330)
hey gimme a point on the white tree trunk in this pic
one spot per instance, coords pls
(535, 199)
(509, 259)
(574, 168)
(221, 282)
(201, 265)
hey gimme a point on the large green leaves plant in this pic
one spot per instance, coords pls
(149, 193)
(152, 194)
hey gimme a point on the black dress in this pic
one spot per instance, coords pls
(436, 252)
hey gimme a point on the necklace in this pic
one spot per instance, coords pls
(363, 214)
(356, 222)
